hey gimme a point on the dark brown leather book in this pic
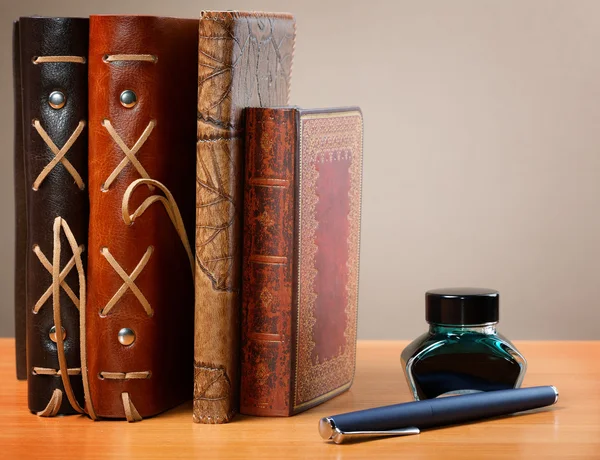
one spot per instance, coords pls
(244, 60)
(302, 207)
(52, 206)
(143, 81)
(20, 214)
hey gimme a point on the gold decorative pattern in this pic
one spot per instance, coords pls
(266, 144)
(335, 136)
(266, 299)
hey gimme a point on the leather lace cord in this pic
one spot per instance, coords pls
(60, 346)
(170, 205)
(50, 371)
(63, 274)
(131, 413)
(130, 153)
(140, 375)
(59, 155)
(53, 405)
(128, 281)
(57, 282)
(130, 57)
(49, 59)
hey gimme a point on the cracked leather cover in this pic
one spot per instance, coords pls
(244, 60)
(57, 195)
(301, 255)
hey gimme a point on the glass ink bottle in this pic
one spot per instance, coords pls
(462, 352)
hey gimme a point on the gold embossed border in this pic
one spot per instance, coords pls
(321, 134)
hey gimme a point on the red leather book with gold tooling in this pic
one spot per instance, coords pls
(302, 207)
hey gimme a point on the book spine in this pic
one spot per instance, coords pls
(268, 262)
(20, 214)
(139, 321)
(53, 60)
(244, 60)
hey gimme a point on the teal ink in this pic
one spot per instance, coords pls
(462, 352)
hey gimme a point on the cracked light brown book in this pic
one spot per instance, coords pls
(244, 60)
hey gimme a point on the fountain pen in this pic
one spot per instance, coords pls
(411, 418)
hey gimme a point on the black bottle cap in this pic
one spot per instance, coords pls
(462, 306)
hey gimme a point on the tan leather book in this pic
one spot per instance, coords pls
(244, 60)
(302, 209)
(142, 136)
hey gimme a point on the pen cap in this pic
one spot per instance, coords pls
(462, 306)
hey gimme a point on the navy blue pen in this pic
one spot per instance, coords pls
(412, 417)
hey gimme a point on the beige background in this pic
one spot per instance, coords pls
(482, 148)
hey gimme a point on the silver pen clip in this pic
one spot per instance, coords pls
(330, 432)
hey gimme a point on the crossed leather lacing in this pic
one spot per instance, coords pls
(58, 275)
(59, 155)
(128, 281)
(57, 282)
(63, 274)
(130, 153)
(168, 201)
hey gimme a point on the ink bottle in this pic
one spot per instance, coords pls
(462, 352)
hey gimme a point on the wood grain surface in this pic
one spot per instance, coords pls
(570, 429)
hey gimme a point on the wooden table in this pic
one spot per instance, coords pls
(569, 429)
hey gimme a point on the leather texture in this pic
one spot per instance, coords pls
(57, 195)
(301, 255)
(244, 60)
(166, 90)
(20, 214)
(268, 268)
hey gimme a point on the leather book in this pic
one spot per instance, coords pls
(139, 318)
(51, 189)
(20, 214)
(302, 208)
(244, 60)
